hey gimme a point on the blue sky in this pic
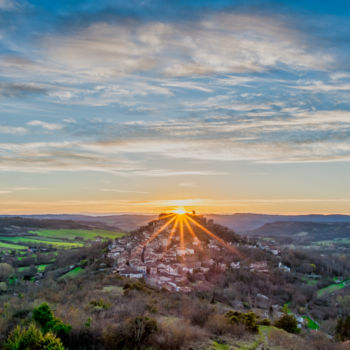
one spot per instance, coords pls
(222, 106)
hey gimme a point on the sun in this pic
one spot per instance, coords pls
(179, 211)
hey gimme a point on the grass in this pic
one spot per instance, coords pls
(218, 346)
(9, 246)
(23, 268)
(113, 290)
(70, 234)
(310, 281)
(33, 241)
(73, 273)
(330, 289)
(41, 267)
(311, 324)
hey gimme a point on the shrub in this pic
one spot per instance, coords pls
(265, 322)
(99, 305)
(198, 312)
(219, 324)
(32, 338)
(131, 334)
(247, 319)
(176, 335)
(288, 323)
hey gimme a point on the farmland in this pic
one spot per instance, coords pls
(73, 273)
(8, 246)
(34, 251)
(71, 234)
(55, 239)
(33, 242)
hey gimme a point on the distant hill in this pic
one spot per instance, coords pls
(247, 222)
(304, 231)
(240, 223)
(14, 225)
(123, 222)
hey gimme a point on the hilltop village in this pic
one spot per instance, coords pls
(194, 265)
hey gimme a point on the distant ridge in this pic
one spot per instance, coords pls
(242, 222)
(239, 222)
(126, 222)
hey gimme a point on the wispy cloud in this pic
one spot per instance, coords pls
(8, 4)
(13, 130)
(45, 125)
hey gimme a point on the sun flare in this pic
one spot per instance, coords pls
(179, 211)
(185, 222)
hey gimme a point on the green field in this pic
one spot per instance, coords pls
(23, 268)
(9, 246)
(42, 267)
(73, 273)
(332, 288)
(311, 324)
(33, 241)
(70, 234)
(333, 242)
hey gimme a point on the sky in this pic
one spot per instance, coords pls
(220, 106)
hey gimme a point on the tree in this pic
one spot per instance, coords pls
(49, 323)
(6, 271)
(288, 323)
(140, 328)
(32, 338)
(343, 329)
(3, 287)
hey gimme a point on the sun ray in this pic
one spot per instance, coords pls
(182, 241)
(166, 216)
(221, 241)
(155, 234)
(190, 230)
(173, 229)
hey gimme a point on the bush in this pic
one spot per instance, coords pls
(288, 323)
(219, 325)
(131, 334)
(265, 322)
(198, 312)
(99, 305)
(247, 319)
(176, 335)
(32, 338)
